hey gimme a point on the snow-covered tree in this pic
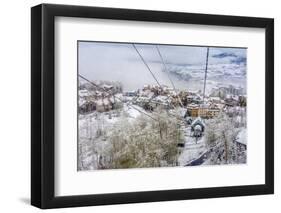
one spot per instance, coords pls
(145, 142)
(220, 136)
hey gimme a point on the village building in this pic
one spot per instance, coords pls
(86, 106)
(146, 93)
(86, 102)
(193, 110)
(83, 93)
(116, 101)
(107, 87)
(141, 100)
(99, 105)
(108, 103)
(204, 111)
(190, 98)
(194, 98)
(168, 90)
(146, 87)
(162, 101)
(208, 111)
(131, 93)
(216, 100)
(212, 112)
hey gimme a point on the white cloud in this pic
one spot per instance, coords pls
(120, 61)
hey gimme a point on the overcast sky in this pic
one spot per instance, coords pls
(120, 61)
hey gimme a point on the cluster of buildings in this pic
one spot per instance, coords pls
(103, 98)
(107, 97)
(153, 96)
(203, 111)
(222, 98)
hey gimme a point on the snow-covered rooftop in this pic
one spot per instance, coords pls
(197, 121)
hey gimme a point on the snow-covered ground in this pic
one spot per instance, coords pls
(93, 137)
(193, 148)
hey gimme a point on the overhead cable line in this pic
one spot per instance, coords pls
(146, 65)
(165, 67)
(166, 70)
(205, 77)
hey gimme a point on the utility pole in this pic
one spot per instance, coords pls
(205, 78)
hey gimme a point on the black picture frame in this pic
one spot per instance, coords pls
(43, 105)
